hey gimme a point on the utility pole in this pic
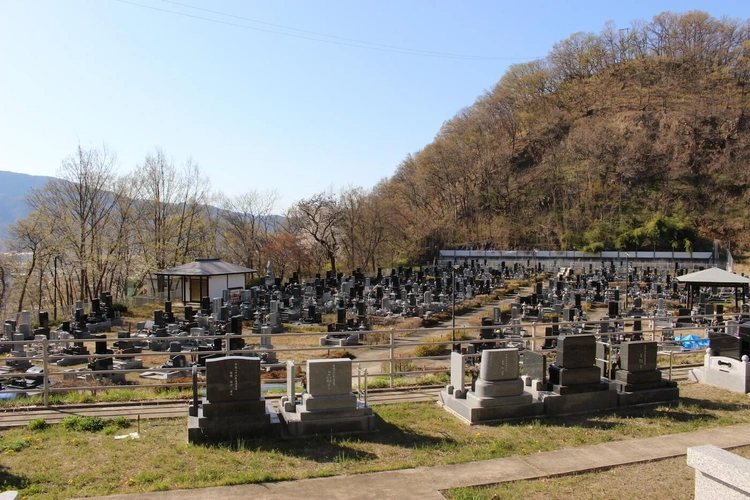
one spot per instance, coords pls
(627, 280)
(54, 288)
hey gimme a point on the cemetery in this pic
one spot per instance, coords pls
(601, 313)
(545, 344)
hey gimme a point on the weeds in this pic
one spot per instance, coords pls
(83, 424)
(38, 424)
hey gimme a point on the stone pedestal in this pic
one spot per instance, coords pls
(233, 407)
(498, 392)
(719, 473)
(328, 406)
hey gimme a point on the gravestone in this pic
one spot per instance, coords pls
(233, 407)
(328, 406)
(637, 380)
(725, 372)
(498, 392)
(535, 366)
(575, 383)
(722, 344)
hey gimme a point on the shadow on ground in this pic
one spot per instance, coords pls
(9, 481)
(338, 448)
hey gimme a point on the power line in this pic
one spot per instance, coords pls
(336, 40)
(354, 40)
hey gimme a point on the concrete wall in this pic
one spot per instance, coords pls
(217, 284)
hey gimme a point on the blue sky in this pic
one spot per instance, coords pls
(258, 109)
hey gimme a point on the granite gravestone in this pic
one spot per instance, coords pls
(328, 406)
(638, 380)
(575, 384)
(498, 392)
(535, 366)
(574, 370)
(233, 407)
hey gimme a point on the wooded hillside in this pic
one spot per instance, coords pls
(630, 138)
(633, 138)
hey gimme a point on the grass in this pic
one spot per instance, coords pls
(104, 396)
(682, 359)
(55, 462)
(663, 479)
(384, 381)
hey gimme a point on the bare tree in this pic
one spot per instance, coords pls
(318, 218)
(170, 212)
(81, 202)
(245, 222)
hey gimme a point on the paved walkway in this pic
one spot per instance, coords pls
(427, 482)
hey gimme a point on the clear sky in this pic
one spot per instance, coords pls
(252, 94)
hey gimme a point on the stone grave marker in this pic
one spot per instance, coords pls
(638, 381)
(498, 391)
(535, 366)
(329, 406)
(233, 407)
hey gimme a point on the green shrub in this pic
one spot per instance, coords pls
(120, 422)
(120, 308)
(434, 379)
(84, 424)
(115, 425)
(378, 383)
(38, 424)
(17, 445)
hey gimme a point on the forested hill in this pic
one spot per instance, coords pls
(13, 189)
(634, 137)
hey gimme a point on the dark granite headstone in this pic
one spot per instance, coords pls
(576, 351)
(722, 344)
(535, 365)
(232, 378)
(638, 356)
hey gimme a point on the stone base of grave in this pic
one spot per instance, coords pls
(476, 409)
(305, 422)
(724, 372)
(665, 394)
(226, 421)
(640, 381)
(573, 401)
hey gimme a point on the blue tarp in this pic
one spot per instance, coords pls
(692, 342)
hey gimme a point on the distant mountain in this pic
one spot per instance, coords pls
(13, 189)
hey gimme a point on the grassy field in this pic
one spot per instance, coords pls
(60, 462)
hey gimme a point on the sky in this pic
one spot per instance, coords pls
(291, 96)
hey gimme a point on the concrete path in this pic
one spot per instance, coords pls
(427, 482)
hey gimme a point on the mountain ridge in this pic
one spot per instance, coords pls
(13, 189)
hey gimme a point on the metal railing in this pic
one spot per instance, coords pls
(398, 349)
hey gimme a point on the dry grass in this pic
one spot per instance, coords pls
(58, 463)
(665, 479)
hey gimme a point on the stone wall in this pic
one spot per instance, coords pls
(719, 474)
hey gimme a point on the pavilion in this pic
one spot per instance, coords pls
(206, 278)
(714, 277)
